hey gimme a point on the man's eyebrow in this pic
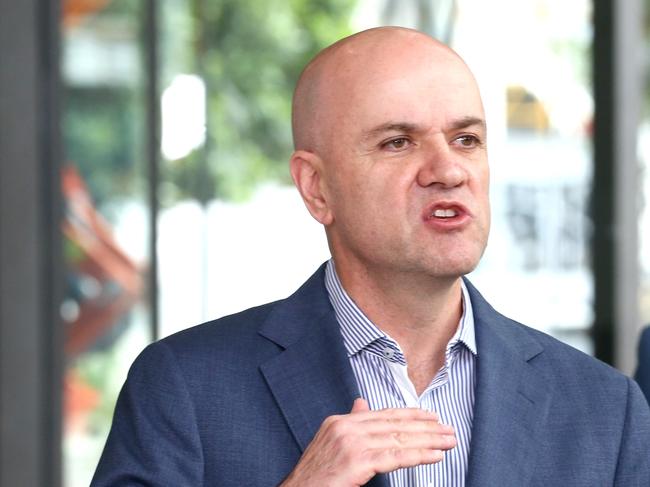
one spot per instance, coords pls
(409, 128)
(403, 127)
(463, 123)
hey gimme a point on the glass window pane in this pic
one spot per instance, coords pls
(106, 219)
(644, 158)
(536, 269)
(232, 230)
(242, 231)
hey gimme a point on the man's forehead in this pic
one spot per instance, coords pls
(410, 94)
(379, 57)
(356, 72)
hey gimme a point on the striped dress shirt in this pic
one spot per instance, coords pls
(381, 372)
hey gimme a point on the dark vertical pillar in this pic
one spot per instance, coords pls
(614, 200)
(153, 152)
(602, 196)
(30, 279)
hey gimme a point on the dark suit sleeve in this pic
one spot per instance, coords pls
(633, 467)
(154, 439)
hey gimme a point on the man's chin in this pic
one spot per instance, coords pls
(454, 268)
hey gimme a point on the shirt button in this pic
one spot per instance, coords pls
(388, 353)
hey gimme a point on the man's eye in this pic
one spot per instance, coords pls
(396, 144)
(468, 141)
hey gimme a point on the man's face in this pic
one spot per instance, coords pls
(405, 163)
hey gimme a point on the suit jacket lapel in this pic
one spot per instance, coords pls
(512, 400)
(311, 378)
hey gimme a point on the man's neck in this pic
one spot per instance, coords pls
(420, 312)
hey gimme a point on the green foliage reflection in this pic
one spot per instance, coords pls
(250, 54)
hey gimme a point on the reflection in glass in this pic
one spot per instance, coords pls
(536, 268)
(105, 223)
(644, 159)
(243, 224)
(232, 232)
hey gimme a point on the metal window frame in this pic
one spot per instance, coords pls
(614, 205)
(152, 67)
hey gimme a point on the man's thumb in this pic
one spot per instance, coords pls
(360, 405)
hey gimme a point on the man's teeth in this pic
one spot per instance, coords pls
(448, 213)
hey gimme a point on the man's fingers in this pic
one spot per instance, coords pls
(379, 425)
(362, 413)
(395, 428)
(415, 440)
(387, 430)
(392, 459)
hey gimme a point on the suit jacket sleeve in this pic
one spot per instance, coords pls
(154, 439)
(633, 467)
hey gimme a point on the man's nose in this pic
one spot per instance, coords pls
(441, 166)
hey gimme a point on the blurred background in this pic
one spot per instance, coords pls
(144, 184)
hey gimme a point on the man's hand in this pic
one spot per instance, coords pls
(348, 450)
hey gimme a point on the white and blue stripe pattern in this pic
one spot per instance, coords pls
(380, 369)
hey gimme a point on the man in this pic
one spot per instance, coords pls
(385, 368)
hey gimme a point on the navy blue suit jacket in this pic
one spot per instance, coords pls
(234, 402)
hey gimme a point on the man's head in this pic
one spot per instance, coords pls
(390, 140)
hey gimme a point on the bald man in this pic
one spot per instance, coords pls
(386, 368)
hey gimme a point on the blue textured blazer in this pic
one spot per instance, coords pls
(235, 402)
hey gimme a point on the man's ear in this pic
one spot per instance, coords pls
(307, 173)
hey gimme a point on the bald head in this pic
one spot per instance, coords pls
(332, 78)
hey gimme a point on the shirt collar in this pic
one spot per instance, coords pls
(359, 332)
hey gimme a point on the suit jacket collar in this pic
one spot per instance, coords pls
(311, 378)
